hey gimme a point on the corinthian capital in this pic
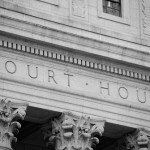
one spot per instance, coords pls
(70, 132)
(9, 114)
(138, 140)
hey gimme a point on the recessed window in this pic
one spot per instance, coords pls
(112, 7)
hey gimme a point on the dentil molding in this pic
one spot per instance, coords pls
(75, 61)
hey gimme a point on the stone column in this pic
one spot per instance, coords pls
(70, 132)
(138, 140)
(9, 114)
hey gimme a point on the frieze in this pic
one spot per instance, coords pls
(76, 61)
(50, 75)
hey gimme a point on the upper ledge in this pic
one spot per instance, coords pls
(76, 43)
(71, 26)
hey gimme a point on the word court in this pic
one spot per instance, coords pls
(52, 76)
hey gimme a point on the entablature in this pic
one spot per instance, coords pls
(50, 78)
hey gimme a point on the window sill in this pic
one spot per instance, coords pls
(114, 18)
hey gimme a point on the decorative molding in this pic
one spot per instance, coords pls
(146, 16)
(9, 114)
(79, 9)
(75, 61)
(70, 132)
(138, 140)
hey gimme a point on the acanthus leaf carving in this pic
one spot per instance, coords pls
(9, 114)
(138, 140)
(70, 132)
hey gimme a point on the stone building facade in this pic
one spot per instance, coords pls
(75, 74)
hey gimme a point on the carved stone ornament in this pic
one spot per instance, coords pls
(9, 114)
(79, 8)
(138, 140)
(145, 16)
(70, 132)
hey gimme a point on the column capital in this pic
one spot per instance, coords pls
(9, 114)
(71, 132)
(137, 140)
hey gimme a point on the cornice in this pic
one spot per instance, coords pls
(84, 41)
(75, 61)
(8, 9)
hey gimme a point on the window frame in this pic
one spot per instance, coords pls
(125, 13)
(106, 8)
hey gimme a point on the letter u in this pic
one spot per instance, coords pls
(141, 100)
(32, 76)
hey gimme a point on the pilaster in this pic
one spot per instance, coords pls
(71, 132)
(9, 114)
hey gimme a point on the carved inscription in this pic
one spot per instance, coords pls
(32, 75)
(51, 76)
(146, 16)
(11, 67)
(123, 92)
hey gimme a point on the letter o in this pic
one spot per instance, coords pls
(123, 92)
(11, 67)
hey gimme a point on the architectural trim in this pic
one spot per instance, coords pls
(79, 9)
(75, 61)
(145, 17)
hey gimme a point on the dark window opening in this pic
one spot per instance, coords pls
(112, 7)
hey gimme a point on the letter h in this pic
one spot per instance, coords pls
(104, 88)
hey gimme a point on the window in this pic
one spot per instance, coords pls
(112, 7)
(114, 10)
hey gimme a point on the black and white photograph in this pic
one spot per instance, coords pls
(74, 74)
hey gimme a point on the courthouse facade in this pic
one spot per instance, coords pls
(75, 74)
